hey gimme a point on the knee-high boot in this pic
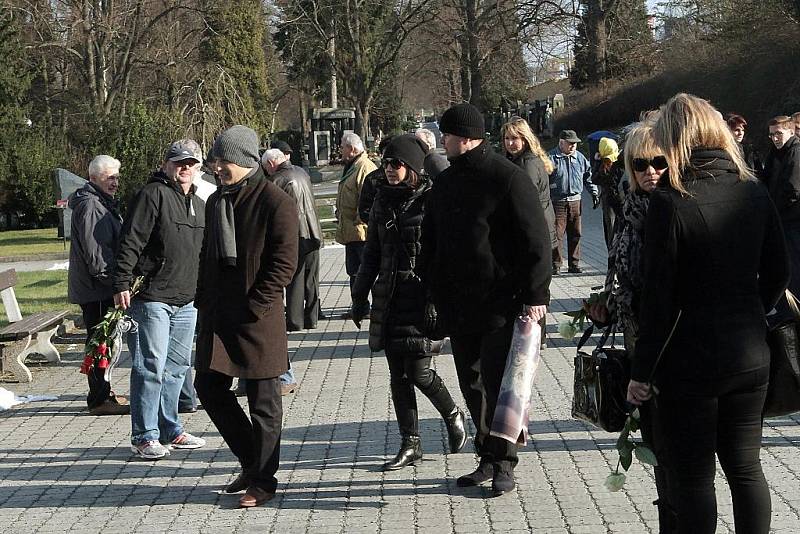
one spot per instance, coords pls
(405, 407)
(453, 415)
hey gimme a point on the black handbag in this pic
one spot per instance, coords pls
(783, 392)
(601, 384)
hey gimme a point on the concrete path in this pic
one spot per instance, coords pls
(63, 470)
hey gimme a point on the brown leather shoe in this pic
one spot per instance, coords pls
(110, 407)
(240, 483)
(255, 496)
(288, 388)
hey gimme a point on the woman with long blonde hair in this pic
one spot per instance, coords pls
(715, 260)
(523, 148)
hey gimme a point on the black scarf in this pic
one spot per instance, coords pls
(225, 224)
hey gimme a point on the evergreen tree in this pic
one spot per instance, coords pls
(236, 72)
(613, 41)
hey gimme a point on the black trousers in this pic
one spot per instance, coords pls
(302, 293)
(694, 425)
(99, 389)
(256, 441)
(480, 362)
(352, 259)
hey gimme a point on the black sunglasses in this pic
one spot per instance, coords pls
(659, 163)
(392, 162)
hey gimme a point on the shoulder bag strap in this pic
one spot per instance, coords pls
(664, 346)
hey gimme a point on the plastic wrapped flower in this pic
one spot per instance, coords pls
(104, 345)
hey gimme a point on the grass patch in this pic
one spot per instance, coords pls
(26, 242)
(42, 291)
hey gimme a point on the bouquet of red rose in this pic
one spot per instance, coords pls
(105, 344)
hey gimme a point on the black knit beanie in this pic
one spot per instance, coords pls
(238, 144)
(463, 120)
(408, 149)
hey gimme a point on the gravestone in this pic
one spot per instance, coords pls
(66, 184)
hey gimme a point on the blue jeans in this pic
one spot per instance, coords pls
(161, 353)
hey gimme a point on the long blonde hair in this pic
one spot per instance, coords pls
(519, 127)
(688, 122)
(639, 143)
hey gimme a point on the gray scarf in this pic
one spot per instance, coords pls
(225, 224)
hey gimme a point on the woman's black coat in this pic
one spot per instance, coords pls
(718, 256)
(391, 255)
(534, 166)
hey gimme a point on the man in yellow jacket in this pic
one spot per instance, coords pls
(351, 230)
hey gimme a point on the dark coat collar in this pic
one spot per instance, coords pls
(474, 157)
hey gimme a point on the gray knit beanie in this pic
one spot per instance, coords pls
(238, 144)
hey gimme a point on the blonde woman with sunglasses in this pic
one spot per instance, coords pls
(715, 261)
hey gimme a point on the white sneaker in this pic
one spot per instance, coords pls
(150, 450)
(187, 441)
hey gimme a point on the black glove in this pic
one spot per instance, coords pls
(595, 201)
(430, 317)
(358, 311)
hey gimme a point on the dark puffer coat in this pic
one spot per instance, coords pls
(391, 254)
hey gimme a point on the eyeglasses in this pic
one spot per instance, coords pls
(659, 163)
(392, 162)
(778, 134)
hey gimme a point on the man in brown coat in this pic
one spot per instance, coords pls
(249, 255)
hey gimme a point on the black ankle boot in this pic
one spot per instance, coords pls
(410, 453)
(456, 429)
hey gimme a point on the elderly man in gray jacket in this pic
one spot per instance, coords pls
(95, 229)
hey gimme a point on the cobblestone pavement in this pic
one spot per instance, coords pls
(63, 470)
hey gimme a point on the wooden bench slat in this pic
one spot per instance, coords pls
(31, 325)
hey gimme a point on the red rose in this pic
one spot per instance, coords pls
(102, 349)
(102, 363)
(88, 360)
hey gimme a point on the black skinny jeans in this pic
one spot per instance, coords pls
(696, 423)
(413, 369)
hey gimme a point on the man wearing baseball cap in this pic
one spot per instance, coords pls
(571, 171)
(486, 249)
(161, 240)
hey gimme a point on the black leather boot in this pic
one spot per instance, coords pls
(410, 453)
(453, 415)
(456, 429)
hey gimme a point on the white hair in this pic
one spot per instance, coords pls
(427, 136)
(352, 139)
(103, 164)
(272, 154)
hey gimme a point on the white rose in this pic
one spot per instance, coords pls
(615, 481)
(567, 330)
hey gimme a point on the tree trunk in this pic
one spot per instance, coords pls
(332, 57)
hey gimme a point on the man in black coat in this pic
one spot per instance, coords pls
(782, 178)
(95, 229)
(487, 255)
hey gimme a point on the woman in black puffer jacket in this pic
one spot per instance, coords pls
(402, 317)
